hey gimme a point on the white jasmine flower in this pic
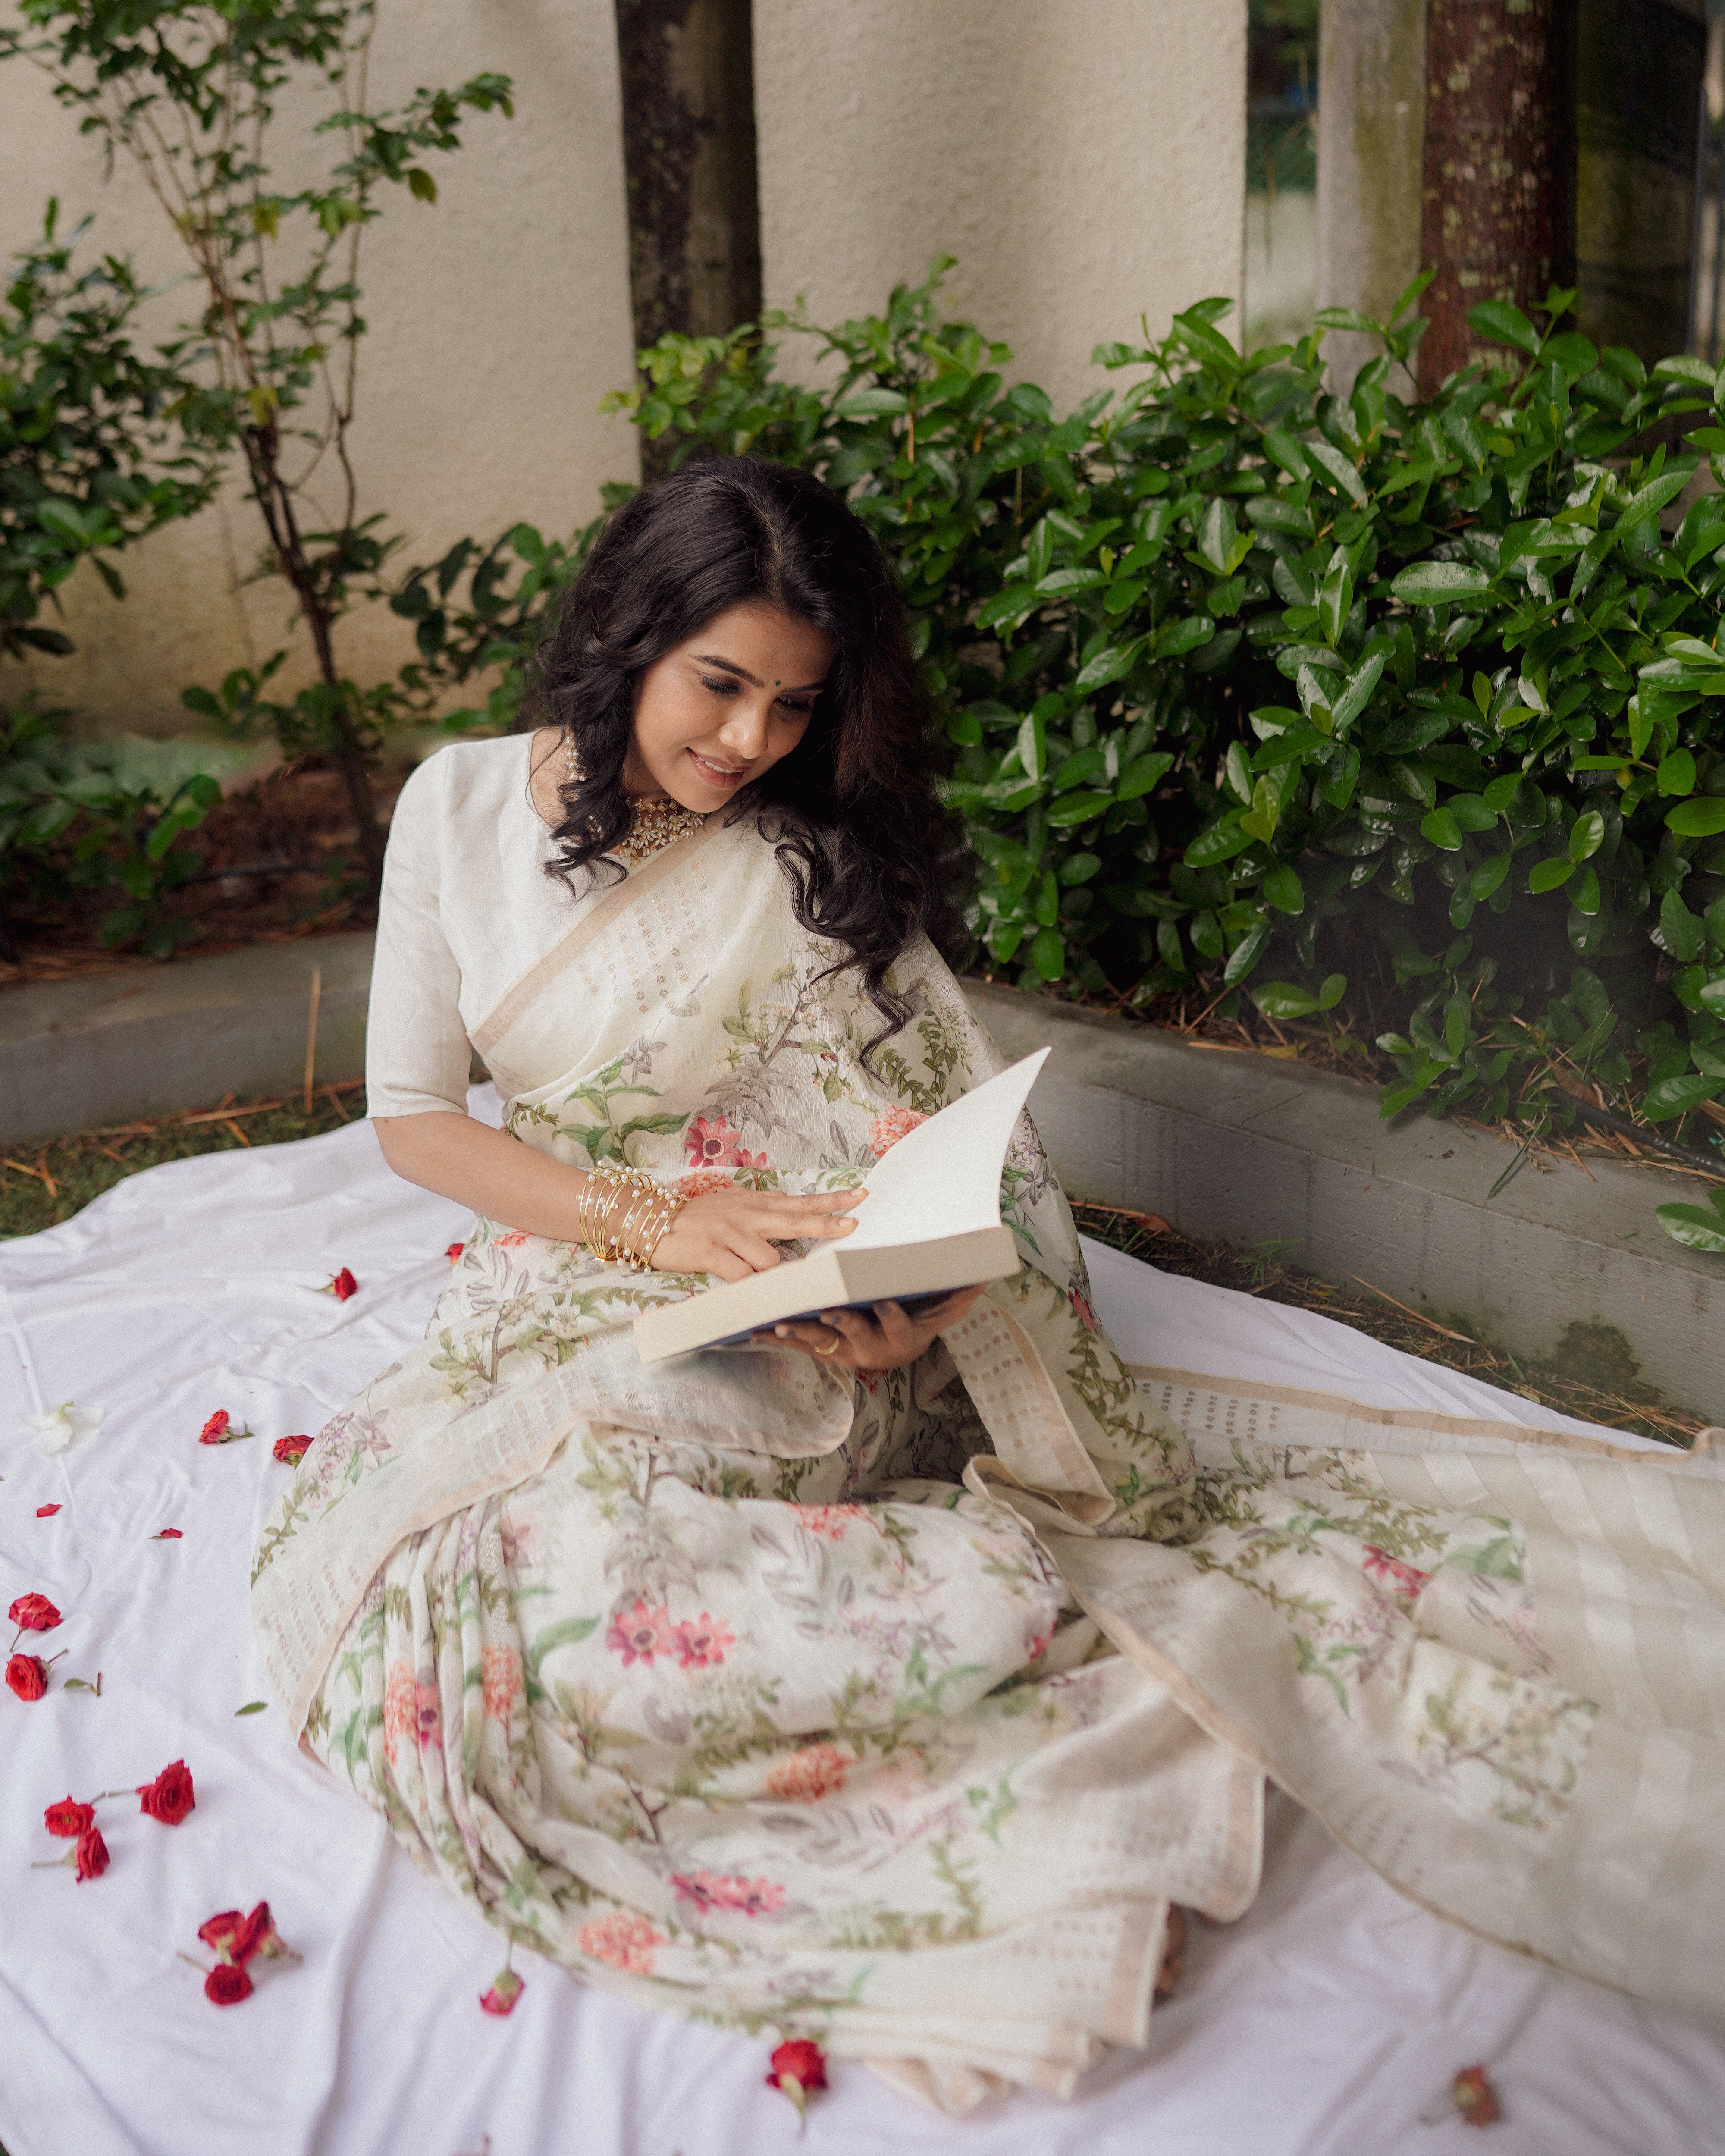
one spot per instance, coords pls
(61, 1427)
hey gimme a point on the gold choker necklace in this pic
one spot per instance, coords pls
(657, 823)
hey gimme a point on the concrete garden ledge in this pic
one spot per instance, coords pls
(1565, 1263)
(76, 1054)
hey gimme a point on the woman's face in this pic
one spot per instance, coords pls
(723, 707)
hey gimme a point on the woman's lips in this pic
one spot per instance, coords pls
(716, 774)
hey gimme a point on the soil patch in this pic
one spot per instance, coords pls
(280, 861)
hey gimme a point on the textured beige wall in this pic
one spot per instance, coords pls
(1083, 160)
(498, 317)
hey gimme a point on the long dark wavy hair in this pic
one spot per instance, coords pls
(875, 859)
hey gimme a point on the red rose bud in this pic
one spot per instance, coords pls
(506, 1987)
(33, 1613)
(454, 1251)
(168, 1535)
(92, 1854)
(226, 1985)
(341, 1287)
(169, 1797)
(1474, 2098)
(68, 1818)
(235, 1936)
(291, 1451)
(221, 1430)
(221, 1930)
(46, 1511)
(797, 2069)
(27, 1676)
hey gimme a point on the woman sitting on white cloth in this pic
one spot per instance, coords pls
(889, 1683)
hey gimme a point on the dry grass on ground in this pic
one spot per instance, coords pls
(1612, 1392)
(42, 1184)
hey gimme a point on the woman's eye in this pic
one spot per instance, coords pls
(797, 710)
(719, 688)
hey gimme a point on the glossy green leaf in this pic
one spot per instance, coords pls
(1676, 772)
(1500, 323)
(1143, 775)
(1587, 836)
(1071, 808)
(1439, 583)
(1339, 468)
(1696, 1227)
(1048, 954)
(1285, 999)
(1282, 887)
(1677, 1096)
(1548, 875)
(1176, 637)
(1440, 827)
(1701, 818)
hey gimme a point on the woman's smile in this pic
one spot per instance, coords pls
(716, 774)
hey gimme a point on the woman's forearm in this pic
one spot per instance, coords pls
(486, 1169)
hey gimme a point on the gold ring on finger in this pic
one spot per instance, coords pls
(838, 1342)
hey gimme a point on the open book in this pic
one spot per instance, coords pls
(931, 1223)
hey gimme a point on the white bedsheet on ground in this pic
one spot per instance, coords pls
(1328, 2022)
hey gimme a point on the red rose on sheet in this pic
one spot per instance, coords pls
(796, 2070)
(236, 1936)
(290, 1451)
(46, 1511)
(454, 1251)
(33, 1613)
(170, 1796)
(167, 1535)
(507, 1987)
(92, 1854)
(27, 1676)
(341, 1285)
(221, 1429)
(68, 1818)
(226, 1985)
(1474, 2098)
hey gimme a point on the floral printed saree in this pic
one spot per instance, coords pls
(896, 1711)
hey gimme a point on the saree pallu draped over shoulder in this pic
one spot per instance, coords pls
(895, 1711)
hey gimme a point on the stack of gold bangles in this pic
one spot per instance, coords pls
(649, 1207)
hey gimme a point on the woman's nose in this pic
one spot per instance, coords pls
(744, 731)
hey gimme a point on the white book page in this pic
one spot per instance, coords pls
(944, 1177)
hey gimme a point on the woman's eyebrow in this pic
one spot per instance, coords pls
(731, 666)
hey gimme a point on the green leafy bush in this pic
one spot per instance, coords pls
(103, 816)
(93, 454)
(1253, 686)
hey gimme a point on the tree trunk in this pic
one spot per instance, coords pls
(1499, 218)
(689, 160)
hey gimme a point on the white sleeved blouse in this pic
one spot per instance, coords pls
(466, 908)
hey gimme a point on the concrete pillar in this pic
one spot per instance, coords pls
(1371, 142)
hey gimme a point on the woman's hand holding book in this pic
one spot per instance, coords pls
(736, 1232)
(888, 1337)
